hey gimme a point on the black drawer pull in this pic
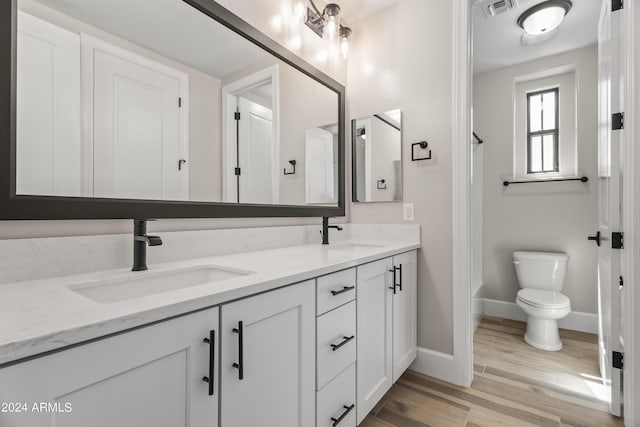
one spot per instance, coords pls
(335, 347)
(400, 282)
(240, 365)
(348, 409)
(343, 290)
(394, 279)
(212, 359)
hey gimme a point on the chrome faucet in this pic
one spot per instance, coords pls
(140, 242)
(325, 230)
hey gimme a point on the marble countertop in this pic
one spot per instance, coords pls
(42, 315)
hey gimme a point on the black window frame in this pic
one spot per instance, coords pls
(542, 132)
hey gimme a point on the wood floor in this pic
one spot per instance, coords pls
(514, 385)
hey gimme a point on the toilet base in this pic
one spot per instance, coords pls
(543, 334)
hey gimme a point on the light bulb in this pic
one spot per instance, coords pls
(345, 33)
(300, 10)
(332, 18)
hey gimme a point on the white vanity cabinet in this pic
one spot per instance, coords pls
(387, 326)
(268, 359)
(151, 376)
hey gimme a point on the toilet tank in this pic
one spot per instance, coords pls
(540, 270)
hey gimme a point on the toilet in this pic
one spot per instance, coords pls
(541, 277)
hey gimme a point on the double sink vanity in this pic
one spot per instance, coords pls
(304, 335)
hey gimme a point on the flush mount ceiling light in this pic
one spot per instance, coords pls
(544, 17)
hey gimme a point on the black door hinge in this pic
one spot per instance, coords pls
(237, 171)
(617, 121)
(618, 360)
(179, 102)
(621, 281)
(617, 5)
(236, 115)
(617, 240)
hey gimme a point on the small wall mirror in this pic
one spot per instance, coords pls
(377, 157)
(154, 100)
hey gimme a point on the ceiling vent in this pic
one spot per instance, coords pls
(496, 7)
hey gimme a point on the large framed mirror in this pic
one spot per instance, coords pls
(377, 157)
(161, 109)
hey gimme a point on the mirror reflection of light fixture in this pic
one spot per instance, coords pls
(326, 24)
(544, 17)
(363, 133)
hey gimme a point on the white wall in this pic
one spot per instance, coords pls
(545, 216)
(402, 58)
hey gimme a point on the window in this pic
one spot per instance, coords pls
(542, 131)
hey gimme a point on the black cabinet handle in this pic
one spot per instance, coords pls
(394, 280)
(212, 359)
(400, 271)
(240, 365)
(348, 409)
(335, 347)
(343, 290)
(595, 238)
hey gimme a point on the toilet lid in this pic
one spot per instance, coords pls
(543, 298)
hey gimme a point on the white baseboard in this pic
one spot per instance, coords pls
(435, 364)
(575, 321)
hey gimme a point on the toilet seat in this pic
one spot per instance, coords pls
(543, 298)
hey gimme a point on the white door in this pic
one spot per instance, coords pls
(610, 186)
(268, 359)
(405, 321)
(152, 376)
(319, 166)
(139, 142)
(374, 332)
(48, 129)
(255, 148)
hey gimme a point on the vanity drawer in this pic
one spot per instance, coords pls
(335, 289)
(335, 399)
(336, 342)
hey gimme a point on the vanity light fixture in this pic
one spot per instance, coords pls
(325, 23)
(544, 17)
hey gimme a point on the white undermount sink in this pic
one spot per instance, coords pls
(140, 284)
(353, 246)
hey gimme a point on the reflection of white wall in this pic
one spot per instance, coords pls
(204, 108)
(384, 143)
(319, 170)
(543, 216)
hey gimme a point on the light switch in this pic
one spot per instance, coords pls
(407, 212)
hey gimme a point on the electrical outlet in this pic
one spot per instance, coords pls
(407, 212)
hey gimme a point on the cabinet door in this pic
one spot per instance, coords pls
(374, 314)
(268, 359)
(151, 376)
(405, 320)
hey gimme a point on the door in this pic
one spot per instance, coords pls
(48, 130)
(374, 332)
(152, 376)
(268, 359)
(610, 188)
(319, 166)
(138, 125)
(405, 321)
(255, 148)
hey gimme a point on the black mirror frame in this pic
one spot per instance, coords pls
(24, 207)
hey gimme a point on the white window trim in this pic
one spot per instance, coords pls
(568, 145)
